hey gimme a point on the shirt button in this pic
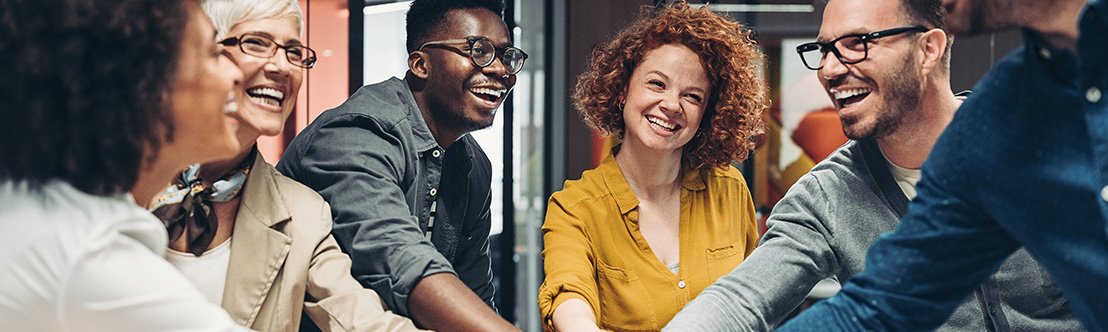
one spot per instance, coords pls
(434, 191)
(1104, 193)
(681, 284)
(1045, 53)
(435, 153)
(1092, 94)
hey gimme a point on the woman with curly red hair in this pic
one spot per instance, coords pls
(665, 214)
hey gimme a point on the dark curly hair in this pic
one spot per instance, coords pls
(425, 17)
(732, 116)
(85, 85)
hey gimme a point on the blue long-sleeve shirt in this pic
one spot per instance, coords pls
(1024, 163)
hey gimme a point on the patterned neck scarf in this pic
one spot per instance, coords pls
(186, 206)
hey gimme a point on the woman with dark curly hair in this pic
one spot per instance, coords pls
(102, 97)
(660, 219)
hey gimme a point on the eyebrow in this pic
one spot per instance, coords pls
(663, 75)
(855, 31)
(271, 36)
(504, 45)
(666, 77)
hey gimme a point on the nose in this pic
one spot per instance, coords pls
(671, 103)
(230, 69)
(497, 68)
(279, 63)
(832, 67)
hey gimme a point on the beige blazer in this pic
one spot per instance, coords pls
(284, 261)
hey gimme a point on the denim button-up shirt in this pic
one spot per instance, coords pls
(1025, 162)
(374, 159)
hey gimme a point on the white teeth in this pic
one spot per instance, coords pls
(844, 94)
(268, 92)
(661, 123)
(263, 100)
(486, 91)
(231, 106)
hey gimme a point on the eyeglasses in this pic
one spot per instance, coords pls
(483, 52)
(849, 49)
(264, 47)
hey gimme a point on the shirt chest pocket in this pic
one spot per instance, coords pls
(624, 302)
(721, 260)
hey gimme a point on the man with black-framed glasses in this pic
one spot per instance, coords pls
(887, 74)
(1024, 164)
(409, 188)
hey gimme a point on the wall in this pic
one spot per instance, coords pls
(325, 86)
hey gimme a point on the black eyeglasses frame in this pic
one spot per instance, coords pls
(499, 52)
(864, 38)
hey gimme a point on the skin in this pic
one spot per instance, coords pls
(909, 100)
(1054, 20)
(202, 131)
(256, 115)
(443, 79)
(670, 86)
(442, 82)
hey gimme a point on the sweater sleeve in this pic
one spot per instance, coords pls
(793, 256)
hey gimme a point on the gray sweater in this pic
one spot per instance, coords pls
(823, 227)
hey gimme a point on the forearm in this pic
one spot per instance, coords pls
(795, 254)
(755, 296)
(442, 302)
(574, 315)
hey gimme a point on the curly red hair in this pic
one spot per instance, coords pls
(733, 113)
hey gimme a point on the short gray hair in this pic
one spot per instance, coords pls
(225, 14)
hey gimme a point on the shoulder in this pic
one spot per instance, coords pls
(722, 176)
(589, 187)
(63, 223)
(386, 103)
(297, 196)
(1012, 66)
(846, 164)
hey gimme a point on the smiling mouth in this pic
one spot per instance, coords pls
(266, 96)
(849, 97)
(666, 125)
(230, 106)
(488, 94)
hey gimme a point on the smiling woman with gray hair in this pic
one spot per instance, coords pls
(252, 240)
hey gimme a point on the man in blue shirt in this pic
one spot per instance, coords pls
(1023, 163)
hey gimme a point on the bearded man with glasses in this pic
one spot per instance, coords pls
(409, 188)
(888, 75)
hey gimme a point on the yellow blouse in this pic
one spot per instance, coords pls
(594, 251)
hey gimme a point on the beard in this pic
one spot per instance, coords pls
(902, 96)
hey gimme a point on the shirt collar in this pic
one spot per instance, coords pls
(692, 179)
(424, 139)
(1061, 64)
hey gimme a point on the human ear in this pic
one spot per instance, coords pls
(418, 64)
(932, 46)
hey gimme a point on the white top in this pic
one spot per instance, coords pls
(906, 178)
(207, 271)
(70, 261)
